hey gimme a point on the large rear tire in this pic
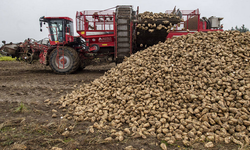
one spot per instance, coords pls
(65, 60)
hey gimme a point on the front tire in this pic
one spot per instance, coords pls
(65, 60)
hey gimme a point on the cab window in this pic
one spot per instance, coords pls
(56, 30)
(69, 28)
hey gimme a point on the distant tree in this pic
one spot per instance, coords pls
(241, 29)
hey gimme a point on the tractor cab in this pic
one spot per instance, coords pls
(60, 29)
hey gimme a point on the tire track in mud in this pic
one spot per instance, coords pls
(33, 83)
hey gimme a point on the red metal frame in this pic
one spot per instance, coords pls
(66, 18)
(115, 30)
(68, 37)
(189, 16)
(36, 48)
(97, 27)
(57, 56)
(43, 52)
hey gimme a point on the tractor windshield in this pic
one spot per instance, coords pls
(56, 30)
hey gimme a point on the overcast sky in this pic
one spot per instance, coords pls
(19, 19)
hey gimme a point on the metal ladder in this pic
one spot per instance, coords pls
(123, 19)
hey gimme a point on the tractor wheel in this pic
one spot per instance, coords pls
(96, 47)
(65, 60)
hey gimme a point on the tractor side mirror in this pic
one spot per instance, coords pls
(41, 24)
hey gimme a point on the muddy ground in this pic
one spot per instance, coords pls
(26, 121)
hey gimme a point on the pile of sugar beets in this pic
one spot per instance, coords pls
(190, 88)
(154, 27)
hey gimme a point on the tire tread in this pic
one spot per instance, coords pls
(76, 60)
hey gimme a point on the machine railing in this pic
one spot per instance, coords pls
(90, 23)
(190, 20)
(97, 28)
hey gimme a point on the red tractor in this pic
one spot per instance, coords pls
(103, 36)
(107, 35)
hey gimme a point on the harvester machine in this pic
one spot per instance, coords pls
(104, 36)
(29, 50)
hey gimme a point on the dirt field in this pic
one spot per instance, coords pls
(27, 123)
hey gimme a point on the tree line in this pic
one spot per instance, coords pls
(241, 29)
